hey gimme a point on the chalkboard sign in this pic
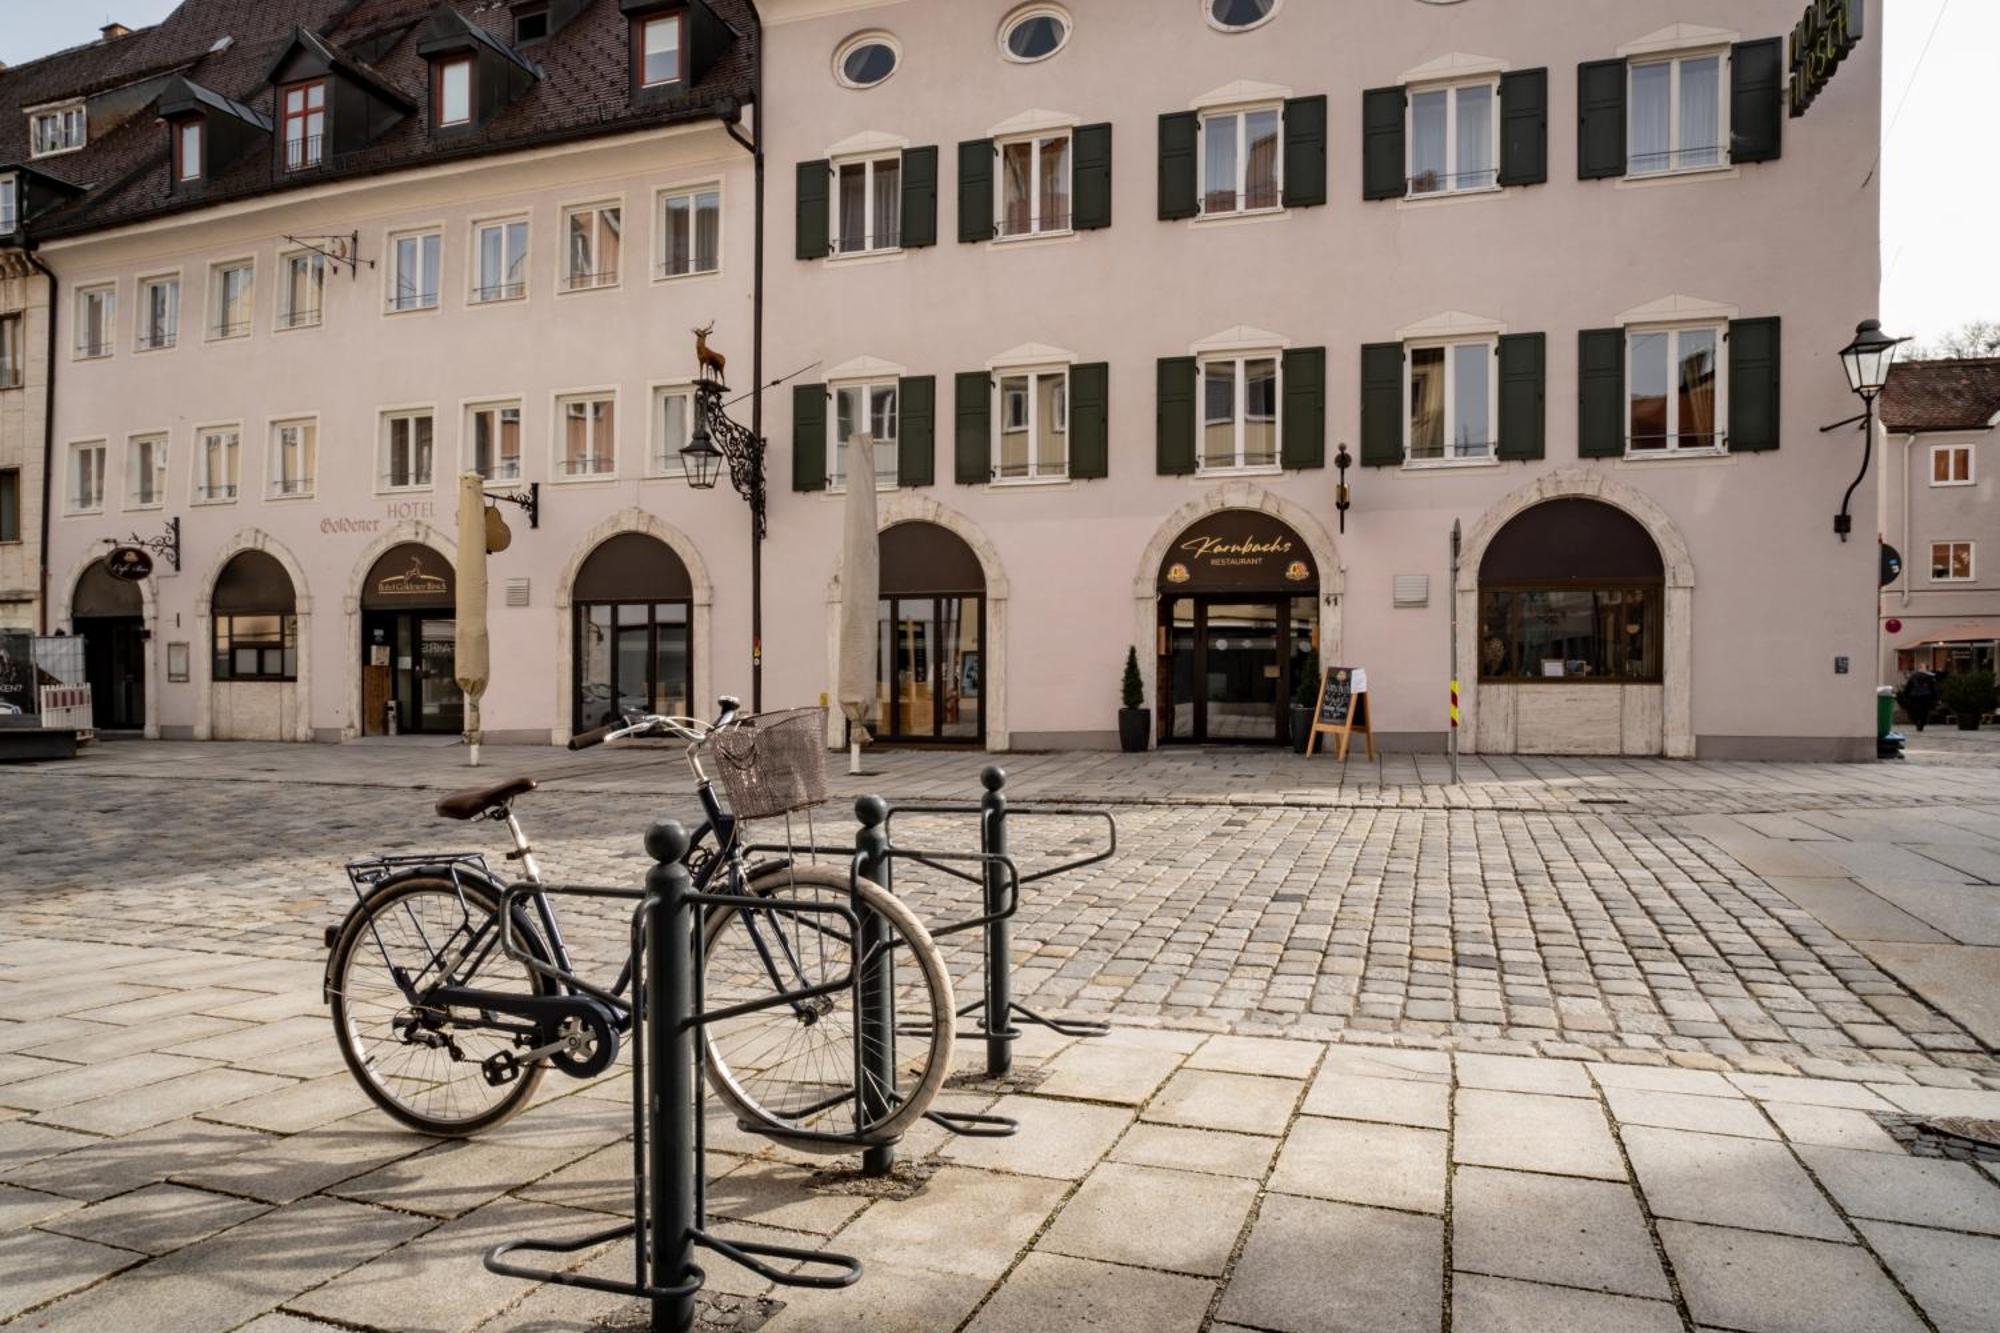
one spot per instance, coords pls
(1336, 697)
(1342, 709)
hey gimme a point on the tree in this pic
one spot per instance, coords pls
(1975, 337)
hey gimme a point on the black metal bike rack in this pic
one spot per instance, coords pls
(668, 1192)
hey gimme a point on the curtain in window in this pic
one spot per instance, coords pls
(1428, 112)
(1475, 138)
(887, 221)
(1427, 402)
(1651, 118)
(853, 205)
(1701, 112)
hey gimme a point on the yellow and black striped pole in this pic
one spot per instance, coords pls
(1451, 594)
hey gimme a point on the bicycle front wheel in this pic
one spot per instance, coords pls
(790, 1070)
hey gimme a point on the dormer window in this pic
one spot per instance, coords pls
(10, 210)
(55, 130)
(452, 83)
(187, 151)
(657, 48)
(304, 115)
(531, 25)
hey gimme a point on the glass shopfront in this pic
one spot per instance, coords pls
(1571, 590)
(931, 639)
(634, 608)
(409, 630)
(1239, 624)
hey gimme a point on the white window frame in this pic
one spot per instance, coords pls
(469, 460)
(394, 300)
(567, 280)
(288, 317)
(217, 331)
(663, 199)
(643, 32)
(1241, 357)
(13, 348)
(1208, 16)
(1451, 91)
(191, 131)
(836, 447)
(158, 445)
(461, 66)
(72, 122)
(663, 456)
(204, 489)
(1015, 18)
(143, 339)
(1948, 545)
(855, 43)
(1675, 148)
(1491, 344)
(308, 449)
(1241, 113)
(558, 436)
(73, 502)
(483, 292)
(1031, 423)
(106, 294)
(1672, 449)
(871, 243)
(1037, 138)
(385, 435)
(10, 204)
(1971, 473)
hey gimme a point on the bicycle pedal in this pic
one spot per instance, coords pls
(500, 1069)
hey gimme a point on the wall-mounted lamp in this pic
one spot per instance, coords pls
(1866, 360)
(1342, 497)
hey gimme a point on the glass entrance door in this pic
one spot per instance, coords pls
(1226, 666)
(408, 657)
(930, 664)
(439, 704)
(114, 663)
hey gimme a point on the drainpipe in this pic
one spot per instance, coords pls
(755, 147)
(48, 439)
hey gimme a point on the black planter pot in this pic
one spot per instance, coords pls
(1969, 723)
(1135, 727)
(1301, 727)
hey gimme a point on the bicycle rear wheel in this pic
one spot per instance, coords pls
(790, 1070)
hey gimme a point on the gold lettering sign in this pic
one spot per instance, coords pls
(1238, 550)
(1825, 34)
(413, 582)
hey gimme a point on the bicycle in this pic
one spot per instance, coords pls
(452, 1033)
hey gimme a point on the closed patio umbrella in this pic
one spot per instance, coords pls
(860, 597)
(472, 656)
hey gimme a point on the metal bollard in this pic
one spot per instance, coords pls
(877, 1019)
(1000, 1029)
(671, 1106)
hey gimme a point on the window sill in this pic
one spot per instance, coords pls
(1026, 483)
(1680, 175)
(428, 488)
(481, 302)
(858, 258)
(1449, 464)
(1443, 198)
(1241, 217)
(564, 288)
(284, 327)
(1247, 470)
(889, 487)
(692, 275)
(90, 356)
(144, 508)
(213, 500)
(583, 478)
(277, 497)
(1951, 485)
(84, 513)
(225, 337)
(1030, 239)
(430, 309)
(143, 349)
(1655, 457)
(655, 475)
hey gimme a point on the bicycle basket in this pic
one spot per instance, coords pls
(773, 763)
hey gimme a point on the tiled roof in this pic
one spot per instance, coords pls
(1961, 393)
(127, 166)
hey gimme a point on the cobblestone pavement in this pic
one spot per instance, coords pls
(1544, 1035)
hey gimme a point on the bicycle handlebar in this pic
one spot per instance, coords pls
(640, 724)
(595, 736)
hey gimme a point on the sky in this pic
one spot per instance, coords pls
(1940, 203)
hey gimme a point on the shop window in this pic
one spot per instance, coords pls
(1951, 562)
(413, 271)
(494, 430)
(1032, 426)
(1242, 160)
(1675, 115)
(634, 633)
(1454, 138)
(592, 238)
(1951, 465)
(690, 232)
(1034, 185)
(867, 205)
(86, 477)
(1239, 412)
(1674, 388)
(145, 471)
(1451, 391)
(1571, 590)
(869, 409)
(500, 261)
(256, 628)
(218, 464)
(231, 287)
(96, 310)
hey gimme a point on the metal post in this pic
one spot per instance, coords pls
(672, 1170)
(999, 989)
(1452, 596)
(877, 1019)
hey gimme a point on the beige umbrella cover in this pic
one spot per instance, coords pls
(472, 657)
(860, 590)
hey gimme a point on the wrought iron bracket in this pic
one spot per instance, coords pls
(166, 545)
(530, 501)
(336, 249)
(737, 444)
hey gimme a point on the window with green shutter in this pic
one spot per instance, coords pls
(1600, 393)
(1382, 156)
(1180, 139)
(1305, 151)
(1757, 101)
(975, 191)
(1524, 127)
(1382, 405)
(1174, 415)
(815, 180)
(1753, 384)
(1600, 119)
(1090, 420)
(920, 197)
(972, 453)
(1092, 177)
(916, 448)
(1523, 394)
(808, 437)
(1304, 417)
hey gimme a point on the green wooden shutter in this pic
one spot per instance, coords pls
(1304, 443)
(1174, 416)
(1180, 139)
(1753, 384)
(1091, 177)
(1600, 393)
(919, 197)
(815, 183)
(1524, 127)
(808, 437)
(1757, 100)
(1305, 151)
(1090, 420)
(1523, 394)
(916, 430)
(975, 190)
(1382, 405)
(1382, 156)
(973, 462)
(1600, 119)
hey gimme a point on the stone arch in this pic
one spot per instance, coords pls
(409, 530)
(149, 610)
(911, 507)
(202, 653)
(633, 519)
(1677, 644)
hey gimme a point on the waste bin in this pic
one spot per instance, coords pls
(1888, 741)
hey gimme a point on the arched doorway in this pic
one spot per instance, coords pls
(254, 650)
(931, 654)
(1238, 594)
(109, 615)
(634, 632)
(1572, 644)
(408, 638)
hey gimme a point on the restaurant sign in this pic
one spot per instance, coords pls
(411, 574)
(1236, 550)
(1825, 34)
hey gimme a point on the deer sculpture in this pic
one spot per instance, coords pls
(711, 361)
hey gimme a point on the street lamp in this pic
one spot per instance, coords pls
(1866, 360)
(701, 460)
(717, 440)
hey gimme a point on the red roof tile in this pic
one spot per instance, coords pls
(1961, 393)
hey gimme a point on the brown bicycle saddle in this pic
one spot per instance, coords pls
(476, 801)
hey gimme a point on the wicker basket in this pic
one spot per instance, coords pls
(773, 763)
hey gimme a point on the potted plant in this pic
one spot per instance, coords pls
(1134, 722)
(1305, 697)
(1970, 696)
